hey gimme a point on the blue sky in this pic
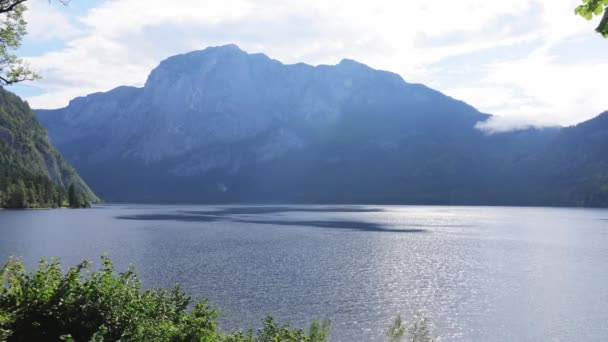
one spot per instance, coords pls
(527, 62)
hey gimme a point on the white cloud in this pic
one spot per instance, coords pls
(514, 121)
(566, 93)
(124, 40)
(46, 21)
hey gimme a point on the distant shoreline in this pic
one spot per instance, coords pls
(347, 204)
(20, 209)
(310, 204)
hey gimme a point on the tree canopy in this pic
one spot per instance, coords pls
(593, 8)
(13, 28)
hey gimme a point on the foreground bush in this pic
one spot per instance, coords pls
(86, 305)
(417, 330)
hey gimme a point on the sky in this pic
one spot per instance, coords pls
(529, 63)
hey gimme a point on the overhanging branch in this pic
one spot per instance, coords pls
(4, 8)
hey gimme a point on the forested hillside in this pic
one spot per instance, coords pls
(33, 174)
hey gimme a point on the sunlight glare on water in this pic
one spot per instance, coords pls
(480, 273)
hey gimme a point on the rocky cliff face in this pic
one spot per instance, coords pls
(221, 96)
(221, 125)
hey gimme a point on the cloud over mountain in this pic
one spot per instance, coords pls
(535, 61)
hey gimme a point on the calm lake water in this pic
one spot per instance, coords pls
(480, 273)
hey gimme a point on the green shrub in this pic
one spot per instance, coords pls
(86, 305)
(417, 330)
(275, 332)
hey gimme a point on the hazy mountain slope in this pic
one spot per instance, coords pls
(221, 125)
(26, 153)
(577, 162)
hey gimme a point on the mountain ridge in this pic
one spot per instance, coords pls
(221, 125)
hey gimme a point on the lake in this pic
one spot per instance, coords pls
(480, 273)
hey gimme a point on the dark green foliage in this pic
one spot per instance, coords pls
(47, 304)
(72, 195)
(21, 190)
(77, 199)
(86, 305)
(32, 172)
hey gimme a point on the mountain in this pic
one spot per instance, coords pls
(221, 125)
(32, 172)
(576, 162)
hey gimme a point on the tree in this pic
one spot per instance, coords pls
(77, 199)
(12, 29)
(592, 8)
(83, 202)
(13, 69)
(72, 198)
(17, 197)
(58, 197)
